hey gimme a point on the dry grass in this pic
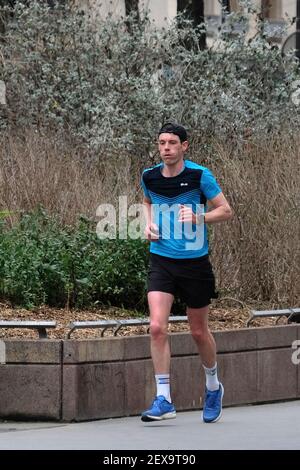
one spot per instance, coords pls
(60, 177)
(256, 255)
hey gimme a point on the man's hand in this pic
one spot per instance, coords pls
(186, 214)
(152, 232)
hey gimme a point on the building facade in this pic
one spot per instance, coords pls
(277, 13)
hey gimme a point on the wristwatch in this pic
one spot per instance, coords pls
(201, 218)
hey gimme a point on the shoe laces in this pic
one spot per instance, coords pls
(158, 400)
(211, 398)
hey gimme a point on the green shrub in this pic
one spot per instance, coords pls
(43, 262)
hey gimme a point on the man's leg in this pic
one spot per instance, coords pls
(198, 320)
(160, 304)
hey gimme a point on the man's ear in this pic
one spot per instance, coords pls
(185, 145)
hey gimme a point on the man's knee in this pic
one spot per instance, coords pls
(158, 330)
(200, 335)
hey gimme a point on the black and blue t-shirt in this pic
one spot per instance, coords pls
(193, 187)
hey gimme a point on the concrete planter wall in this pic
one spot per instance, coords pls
(77, 380)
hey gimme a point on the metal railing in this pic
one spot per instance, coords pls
(292, 314)
(116, 325)
(40, 326)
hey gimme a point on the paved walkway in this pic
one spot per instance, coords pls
(272, 426)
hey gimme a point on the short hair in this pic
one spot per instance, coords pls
(174, 128)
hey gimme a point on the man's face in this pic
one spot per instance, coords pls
(171, 149)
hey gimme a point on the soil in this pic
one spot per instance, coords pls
(221, 318)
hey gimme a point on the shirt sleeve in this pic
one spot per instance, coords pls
(146, 192)
(209, 185)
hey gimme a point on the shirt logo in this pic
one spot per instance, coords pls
(184, 184)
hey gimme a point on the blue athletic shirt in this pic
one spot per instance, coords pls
(193, 187)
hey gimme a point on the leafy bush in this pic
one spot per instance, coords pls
(111, 83)
(43, 262)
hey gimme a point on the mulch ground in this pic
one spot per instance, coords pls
(221, 318)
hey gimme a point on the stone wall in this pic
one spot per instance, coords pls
(77, 380)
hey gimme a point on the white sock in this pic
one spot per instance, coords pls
(163, 386)
(212, 382)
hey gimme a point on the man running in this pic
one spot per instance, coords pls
(176, 193)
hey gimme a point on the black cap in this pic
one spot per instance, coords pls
(173, 128)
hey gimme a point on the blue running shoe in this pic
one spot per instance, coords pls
(160, 409)
(212, 408)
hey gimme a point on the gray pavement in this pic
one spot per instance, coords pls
(271, 426)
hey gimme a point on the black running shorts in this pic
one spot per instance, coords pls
(192, 279)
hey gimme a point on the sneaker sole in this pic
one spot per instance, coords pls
(219, 416)
(148, 418)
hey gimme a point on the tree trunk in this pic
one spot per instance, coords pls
(194, 10)
(131, 6)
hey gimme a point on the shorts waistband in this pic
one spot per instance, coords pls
(179, 261)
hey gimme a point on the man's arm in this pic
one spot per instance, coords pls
(219, 211)
(151, 230)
